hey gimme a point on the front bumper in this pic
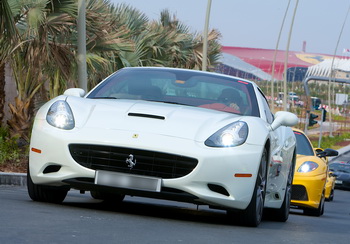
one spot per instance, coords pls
(330, 184)
(307, 190)
(213, 181)
(342, 184)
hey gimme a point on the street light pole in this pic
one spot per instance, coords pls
(81, 28)
(286, 58)
(205, 38)
(274, 60)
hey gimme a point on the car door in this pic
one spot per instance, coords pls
(281, 153)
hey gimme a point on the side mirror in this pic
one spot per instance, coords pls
(328, 152)
(334, 175)
(283, 118)
(76, 92)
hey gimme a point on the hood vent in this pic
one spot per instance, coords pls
(151, 116)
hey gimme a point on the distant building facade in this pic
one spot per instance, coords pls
(257, 63)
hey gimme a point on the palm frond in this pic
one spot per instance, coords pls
(129, 17)
(7, 21)
(35, 14)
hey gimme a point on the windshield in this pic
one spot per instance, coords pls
(340, 167)
(303, 145)
(192, 88)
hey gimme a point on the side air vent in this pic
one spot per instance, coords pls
(218, 189)
(299, 193)
(52, 169)
(151, 116)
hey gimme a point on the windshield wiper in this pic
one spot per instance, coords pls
(103, 97)
(174, 103)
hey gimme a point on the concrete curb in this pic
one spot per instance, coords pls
(17, 179)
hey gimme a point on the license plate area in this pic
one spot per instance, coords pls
(135, 182)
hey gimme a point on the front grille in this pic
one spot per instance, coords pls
(148, 163)
(299, 193)
(346, 184)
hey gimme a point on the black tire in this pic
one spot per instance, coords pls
(282, 213)
(252, 215)
(331, 196)
(41, 193)
(107, 196)
(318, 211)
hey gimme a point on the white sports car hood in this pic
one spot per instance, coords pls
(150, 117)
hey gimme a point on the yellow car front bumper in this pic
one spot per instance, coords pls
(307, 191)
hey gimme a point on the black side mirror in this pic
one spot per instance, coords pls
(328, 152)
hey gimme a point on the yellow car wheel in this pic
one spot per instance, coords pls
(316, 212)
(331, 196)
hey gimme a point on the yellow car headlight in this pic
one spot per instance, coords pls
(307, 166)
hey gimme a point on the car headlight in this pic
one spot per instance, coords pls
(231, 135)
(308, 166)
(60, 115)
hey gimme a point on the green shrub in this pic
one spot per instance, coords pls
(9, 150)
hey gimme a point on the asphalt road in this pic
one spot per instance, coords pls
(345, 157)
(80, 219)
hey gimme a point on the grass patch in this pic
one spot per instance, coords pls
(330, 142)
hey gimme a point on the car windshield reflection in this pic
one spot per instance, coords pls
(303, 145)
(174, 86)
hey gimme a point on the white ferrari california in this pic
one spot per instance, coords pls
(166, 133)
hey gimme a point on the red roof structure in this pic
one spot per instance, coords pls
(263, 58)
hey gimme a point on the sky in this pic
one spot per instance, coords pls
(257, 23)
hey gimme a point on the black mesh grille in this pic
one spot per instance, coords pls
(299, 193)
(148, 163)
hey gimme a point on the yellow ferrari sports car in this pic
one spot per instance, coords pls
(310, 176)
(330, 185)
(330, 182)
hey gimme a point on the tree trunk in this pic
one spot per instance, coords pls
(20, 122)
(2, 93)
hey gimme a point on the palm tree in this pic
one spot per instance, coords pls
(187, 52)
(8, 38)
(45, 49)
(109, 46)
(168, 42)
(41, 37)
(47, 52)
(2, 92)
(106, 43)
(214, 50)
